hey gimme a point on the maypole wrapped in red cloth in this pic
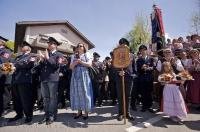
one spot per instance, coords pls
(158, 34)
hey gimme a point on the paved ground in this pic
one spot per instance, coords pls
(103, 120)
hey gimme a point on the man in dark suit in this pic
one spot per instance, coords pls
(145, 78)
(127, 73)
(4, 57)
(63, 86)
(112, 81)
(97, 89)
(22, 80)
(49, 75)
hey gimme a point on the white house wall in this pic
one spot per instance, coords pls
(54, 31)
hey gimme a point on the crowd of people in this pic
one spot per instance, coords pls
(49, 80)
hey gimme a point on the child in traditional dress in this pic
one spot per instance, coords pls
(173, 102)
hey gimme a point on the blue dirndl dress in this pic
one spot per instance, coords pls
(81, 95)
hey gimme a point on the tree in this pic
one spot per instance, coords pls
(10, 44)
(196, 23)
(195, 20)
(140, 34)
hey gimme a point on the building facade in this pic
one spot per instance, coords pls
(37, 33)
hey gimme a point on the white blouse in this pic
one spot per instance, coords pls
(179, 65)
(84, 57)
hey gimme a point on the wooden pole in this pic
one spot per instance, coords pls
(124, 97)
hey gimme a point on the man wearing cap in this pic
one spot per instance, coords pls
(98, 80)
(145, 78)
(128, 86)
(4, 57)
(22, 80)
(49, 75)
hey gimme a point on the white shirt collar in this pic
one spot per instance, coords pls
(53, 51)
(26, 53)
(145, 57)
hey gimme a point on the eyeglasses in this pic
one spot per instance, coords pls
(168, 52)
(80, 46)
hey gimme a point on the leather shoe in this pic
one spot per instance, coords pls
(50, 121)
(85, 117)
(120, 117)
(43, 121)
(129, 117)
(17, 117)
(152, 110)
(134, 108)
(143, 110)
(114, 102)
(28, 119)
(78, 116)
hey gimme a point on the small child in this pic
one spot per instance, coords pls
(173, 102)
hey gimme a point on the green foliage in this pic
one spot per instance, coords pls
(10, 45)
(195, 20)
(140, 34)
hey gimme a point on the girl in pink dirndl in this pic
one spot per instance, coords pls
(173, 102)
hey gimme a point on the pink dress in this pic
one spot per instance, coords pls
(193, 91)
(173, 102)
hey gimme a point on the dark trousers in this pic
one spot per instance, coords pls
(95, 90)
(23, 99)
(103, 92)
(2, 85)
(134, 92)
(112, 89)
(50, 94)
(62, 86)
(1, 99)
(7, 95)
(128, 87)
(146, 89)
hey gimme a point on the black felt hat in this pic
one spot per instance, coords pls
(123, 41)
(53, 40)
(143, 47)
(24, 43)
(96, 54)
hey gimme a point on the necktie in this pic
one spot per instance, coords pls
(50, 54)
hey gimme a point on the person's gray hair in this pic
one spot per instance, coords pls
(28, 48)
(2, 41)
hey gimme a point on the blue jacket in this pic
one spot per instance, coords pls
(142, 74)
(49, 69)
(23, 69)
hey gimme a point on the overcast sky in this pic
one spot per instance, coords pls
(103, 22)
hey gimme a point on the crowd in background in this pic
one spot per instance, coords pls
(59, 81)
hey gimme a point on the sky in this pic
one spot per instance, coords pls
(103, 22)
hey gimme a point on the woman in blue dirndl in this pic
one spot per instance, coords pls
(81, 95)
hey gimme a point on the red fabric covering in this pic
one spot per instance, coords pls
(158, 14)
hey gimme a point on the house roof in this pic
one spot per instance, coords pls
(4, 39)
(20, 30)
